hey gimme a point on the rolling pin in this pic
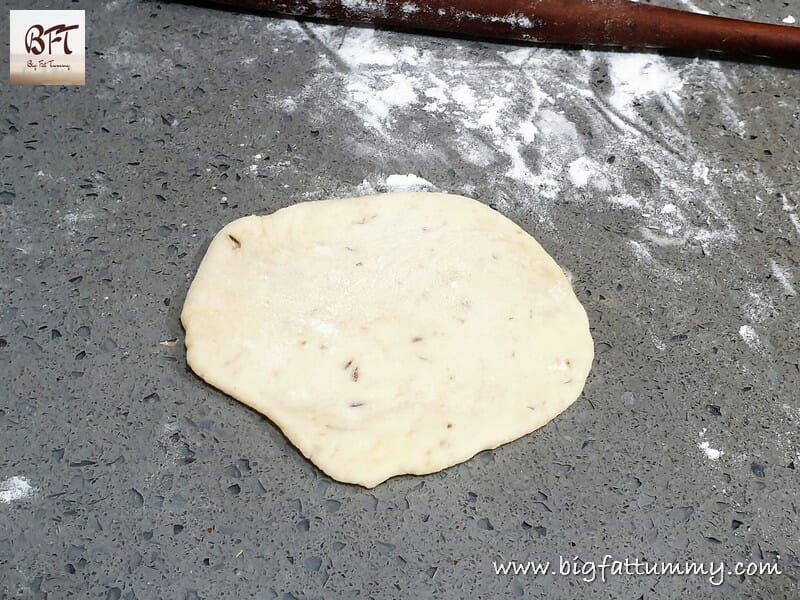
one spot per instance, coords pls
(571, 22)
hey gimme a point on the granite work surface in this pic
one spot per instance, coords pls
(667, 185)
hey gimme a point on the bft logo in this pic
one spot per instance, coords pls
(35, 38)
(47, 47)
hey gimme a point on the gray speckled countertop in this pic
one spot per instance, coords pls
(667, 185)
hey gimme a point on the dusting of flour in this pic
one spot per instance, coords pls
(14, 489)
(640, 76)
(705, 446)
(541, 122)
(751, 337)
(608, 131)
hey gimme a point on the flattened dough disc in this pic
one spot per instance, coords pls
(388, 334)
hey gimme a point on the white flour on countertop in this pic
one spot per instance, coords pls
(394, 183)
(710, 452)
(784, 278)
(541, 126)
(645, 258)
(638, 76)
(407, 183)
(532, 120)
(705, 446)
(751, 338)
(758, 307)
(792, 210)
(15, 488)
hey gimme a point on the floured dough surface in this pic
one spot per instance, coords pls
(388, 334)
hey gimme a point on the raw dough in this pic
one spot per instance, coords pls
(388, 334)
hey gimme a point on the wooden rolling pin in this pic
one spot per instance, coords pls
(580, 22)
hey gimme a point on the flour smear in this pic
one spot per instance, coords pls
(537, 126)
(539, 122)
